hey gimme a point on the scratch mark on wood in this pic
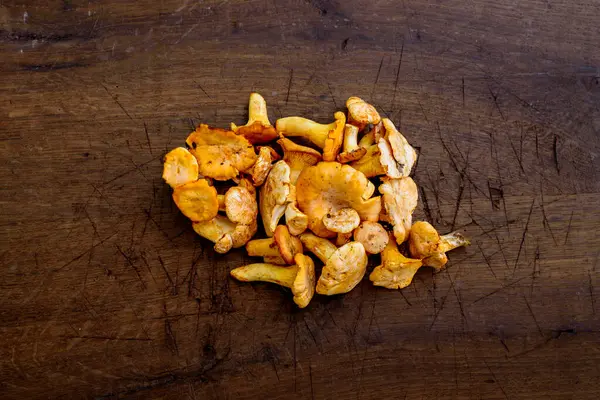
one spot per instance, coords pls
(463, 91)
(117, 101)
(312, 389)
(331, 93)
(568, 229)
(131, 264)
(495, 379)
(591, 289)
(555, 153)
(523, 236)
(533, 316)
(397, 77)
(377, 77)
(500, 289)
(287, 97)
(147, 137)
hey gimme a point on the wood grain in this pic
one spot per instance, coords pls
(106, 292)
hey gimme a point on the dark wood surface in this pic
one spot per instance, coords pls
(106, 292)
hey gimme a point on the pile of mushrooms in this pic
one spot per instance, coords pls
(313, 186)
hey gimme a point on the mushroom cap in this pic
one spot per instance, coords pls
(273, 196)
(288, 245)
(404, 153)
(423, 240)
(396, 271)
(218, 231)
(351, 156)
(335, 137)
(372, 236)
(400, 197)
(240, 206)
(343, 270)
(298, 157)
(296, 220)
(303, 287)
(256, 132)
(387, 160)
(197, 200)
(344, 220)
(329, 186)
(361, 113)
(180, 167)
(221, 154)
(369, 163)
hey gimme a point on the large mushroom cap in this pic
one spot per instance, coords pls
(180, 167)
(303, 287)
(221, 154)
(343, 270)
(329, 186)
(197, 200)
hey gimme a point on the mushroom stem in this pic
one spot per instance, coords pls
(263, 248)
(263, 272)
(350, 138)
(320, 247)
(221, 200)
(451, 241)
(304, 127)
(257, 110)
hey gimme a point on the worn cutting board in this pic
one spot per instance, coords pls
(106, 292)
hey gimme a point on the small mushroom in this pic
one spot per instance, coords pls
(351, 150)
(240, 205)
(361, 113)
(400, 197)
(378, 160)
(299, 277)
(372, 235)
(396, 271)
(326, 136)
(343, 222)
(274, 196)
(344, 267)
(258, 130)
(197, 200)
(282, 244)
(224, 233)
(330, 186)
(425, 243)
(221, 154)
(180, 167)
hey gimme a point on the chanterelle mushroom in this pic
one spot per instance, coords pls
(180, 166)
(296, 220)
(282, 244)
(425, 243)
(221, 154)
(404, 154)
(400, 197)
(258, 130)
(224, 233)
(361, 113)
(300, 277)
(351, 150)
(344, 267)
(274, 196)
(378, 160)
(329, 186)
(396, 271)
(372, 236)
(197, 200)
(326, 136)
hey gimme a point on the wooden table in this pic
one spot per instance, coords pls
(106, 292)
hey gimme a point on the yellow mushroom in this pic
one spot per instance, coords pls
(282, 244)
(299, 277)
(344, 267)
(396, 271)
(258, 130)
(425, 243)
(372, 235)
(326, 136)
(274, 196)
(351, 150)
(361, 113)
(224, 233)
(221, 154)
(180, 167)
(400, 197)
(404, 154)
(197, 200)
(298, 157)
(262, 166)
